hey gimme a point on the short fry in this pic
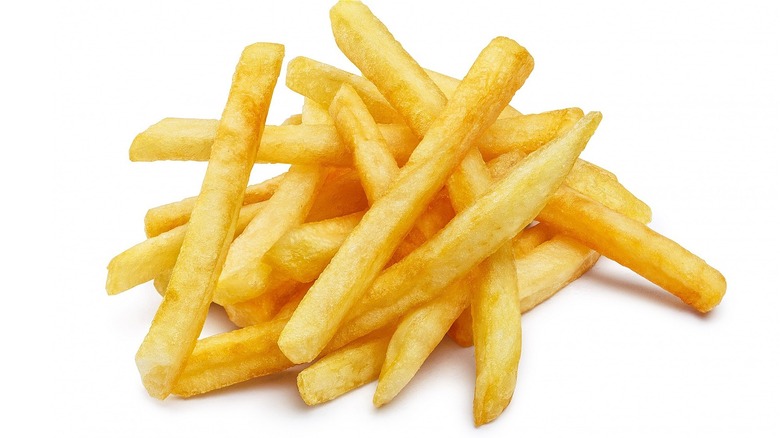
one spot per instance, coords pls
(348, 368)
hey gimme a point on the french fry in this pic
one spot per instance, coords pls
(476, 104)
(169, 216)
(303, 252)
(348, 368)
(634, 245)
(375, 165)
(495, 306)
(319, 144)
(161, 282)
(320, 82)
(156, 255)
(419, 332)
(171, 338)
(469, 237)
(245, 274)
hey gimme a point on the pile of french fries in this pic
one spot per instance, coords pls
(416, 206)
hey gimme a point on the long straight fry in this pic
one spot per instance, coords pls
(636, 246)
(171, 338)
(484, 91)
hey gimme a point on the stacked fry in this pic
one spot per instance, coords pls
(415, 206)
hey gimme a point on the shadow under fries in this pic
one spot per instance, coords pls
(603, 274)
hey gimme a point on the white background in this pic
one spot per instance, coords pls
(690, 101)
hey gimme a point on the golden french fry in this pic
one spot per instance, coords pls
(495, 307)
(469, 237)
(348, 368)
(375, 165)
(418, 333)
(169, 216)
(488, 88)
(154, 256)
(320, 82)
(634, 245)
(245, 274)
(321, 144)
(303, 252)
(171, 338)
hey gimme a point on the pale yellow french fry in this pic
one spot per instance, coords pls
(469, 237)
(484, 92)
(171, 338)
(495, 306)
(634, 245)
(418, 333)
(375, 165)
(191, 139)
(169, 216)
(320, 82)
(341, 371)
(245, 274)
(303, 252)
(156, 255)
